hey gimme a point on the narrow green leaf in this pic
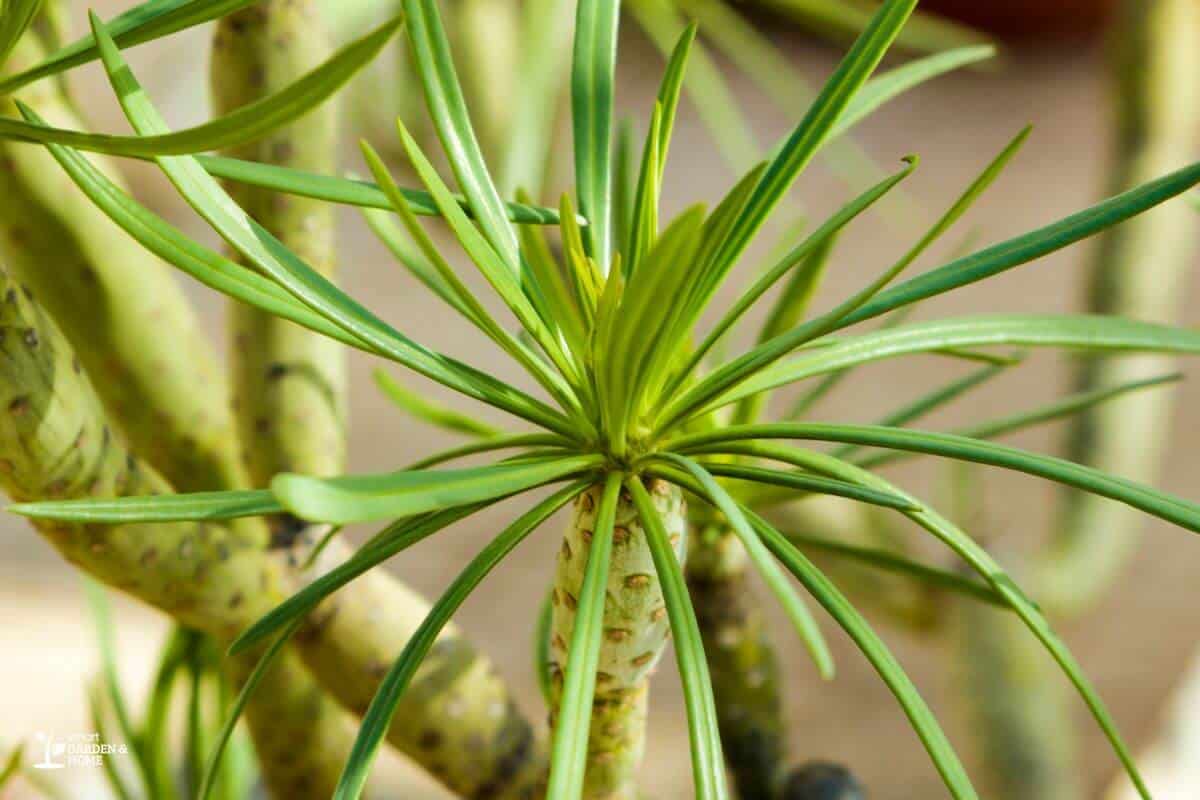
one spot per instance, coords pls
(393, 539)
(568, 755)
(705, 84)
(1159, 504)
(592, 66)
(1066, 407)
(16, 16)
(357, 498)
(234, 713)
(708, 764)
(929, 402)
(347, 191)
(1030, 246)
(776, 581)
(644, 227)
(808, 484)
(796, 256)
(890, 562)
(245, 124)
(770, 351)
(267, 253)
(802, 145)
(197, 506)
(150, 20)
(881, 658)
(428, 411)
(1081, 332)
(893, 83)
(448, 110)
(173, 246)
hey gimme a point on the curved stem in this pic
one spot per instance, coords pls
(1139, 271)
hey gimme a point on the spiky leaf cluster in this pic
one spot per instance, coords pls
(629, 386)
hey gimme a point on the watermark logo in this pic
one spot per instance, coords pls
(75, 750)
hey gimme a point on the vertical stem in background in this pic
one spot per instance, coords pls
(635, 632)
(741, 661)
(1017, 706)
(1139, 272)
(458, 719)
(289, 383)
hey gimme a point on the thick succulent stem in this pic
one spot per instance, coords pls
(289, 383)
(165, 390)
(1139, 272)
(1017, 704)
(741, 661)
(56, 442)
(458, 719)
(635, 632)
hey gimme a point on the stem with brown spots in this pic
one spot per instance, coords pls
(55, 442)
(119, 306)
(634, 636)
(741, 660)
(458, 719)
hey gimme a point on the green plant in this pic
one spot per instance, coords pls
(634, 417)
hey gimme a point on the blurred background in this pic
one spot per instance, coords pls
(1134, 645)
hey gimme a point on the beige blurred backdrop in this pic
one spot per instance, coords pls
(1133, 645)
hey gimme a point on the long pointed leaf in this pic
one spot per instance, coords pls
(1066, 407)
(448, 110)
(17, 14)
(245, 124)
(593, 64)
(793, 606)
(881, 658)
(1030, 246)
(378, 717)
(197, 506)
(1082, 332)
(346, 191)
(356, 498)
(150, 20)
(1160, 504)
(262, 249)
(708, 765)
(568, 756)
